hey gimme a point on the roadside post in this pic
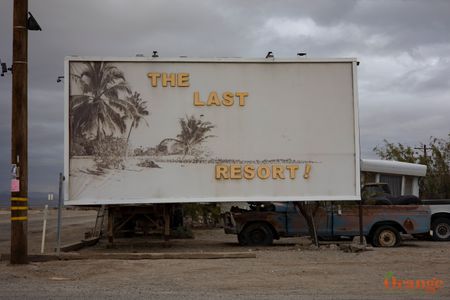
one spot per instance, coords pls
(44, 224)
(44, 228)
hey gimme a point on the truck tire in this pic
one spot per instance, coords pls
(386, 236)
(241, 239)
(441, 229)
(256, 234)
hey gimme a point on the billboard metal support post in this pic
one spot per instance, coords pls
(19, 135)
(60, 201)
(361, 236)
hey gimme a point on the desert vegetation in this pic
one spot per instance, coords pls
(435, 155)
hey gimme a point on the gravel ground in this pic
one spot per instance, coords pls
(283, 271)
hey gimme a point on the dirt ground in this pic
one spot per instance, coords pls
(286, 270)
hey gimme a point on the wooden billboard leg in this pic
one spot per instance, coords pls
(166, 222)
(110, 226)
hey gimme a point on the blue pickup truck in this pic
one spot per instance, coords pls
(382, 224)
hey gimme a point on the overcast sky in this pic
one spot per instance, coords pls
(403, 47)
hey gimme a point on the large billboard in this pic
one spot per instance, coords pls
(152, 130)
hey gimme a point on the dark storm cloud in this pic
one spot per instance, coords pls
(403, 47)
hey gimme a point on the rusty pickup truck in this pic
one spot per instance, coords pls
(382, 224)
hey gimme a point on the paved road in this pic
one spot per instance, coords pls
(82, 220)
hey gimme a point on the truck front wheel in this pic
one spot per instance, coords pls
(256, 234)
(441, 229)
(386, 236)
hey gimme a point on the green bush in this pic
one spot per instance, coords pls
(207, 214)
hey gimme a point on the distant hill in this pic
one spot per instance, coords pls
(35, 199)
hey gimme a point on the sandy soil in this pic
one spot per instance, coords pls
(283, 271)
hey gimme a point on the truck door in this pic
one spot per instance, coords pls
(296, 224)
(345, 218)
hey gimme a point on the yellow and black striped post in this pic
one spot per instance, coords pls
(19, 134)
(19, 208)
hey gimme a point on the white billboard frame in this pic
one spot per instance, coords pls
(93, 201)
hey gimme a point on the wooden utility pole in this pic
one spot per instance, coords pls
(19, 135)
(425, 152)
(424, 148)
